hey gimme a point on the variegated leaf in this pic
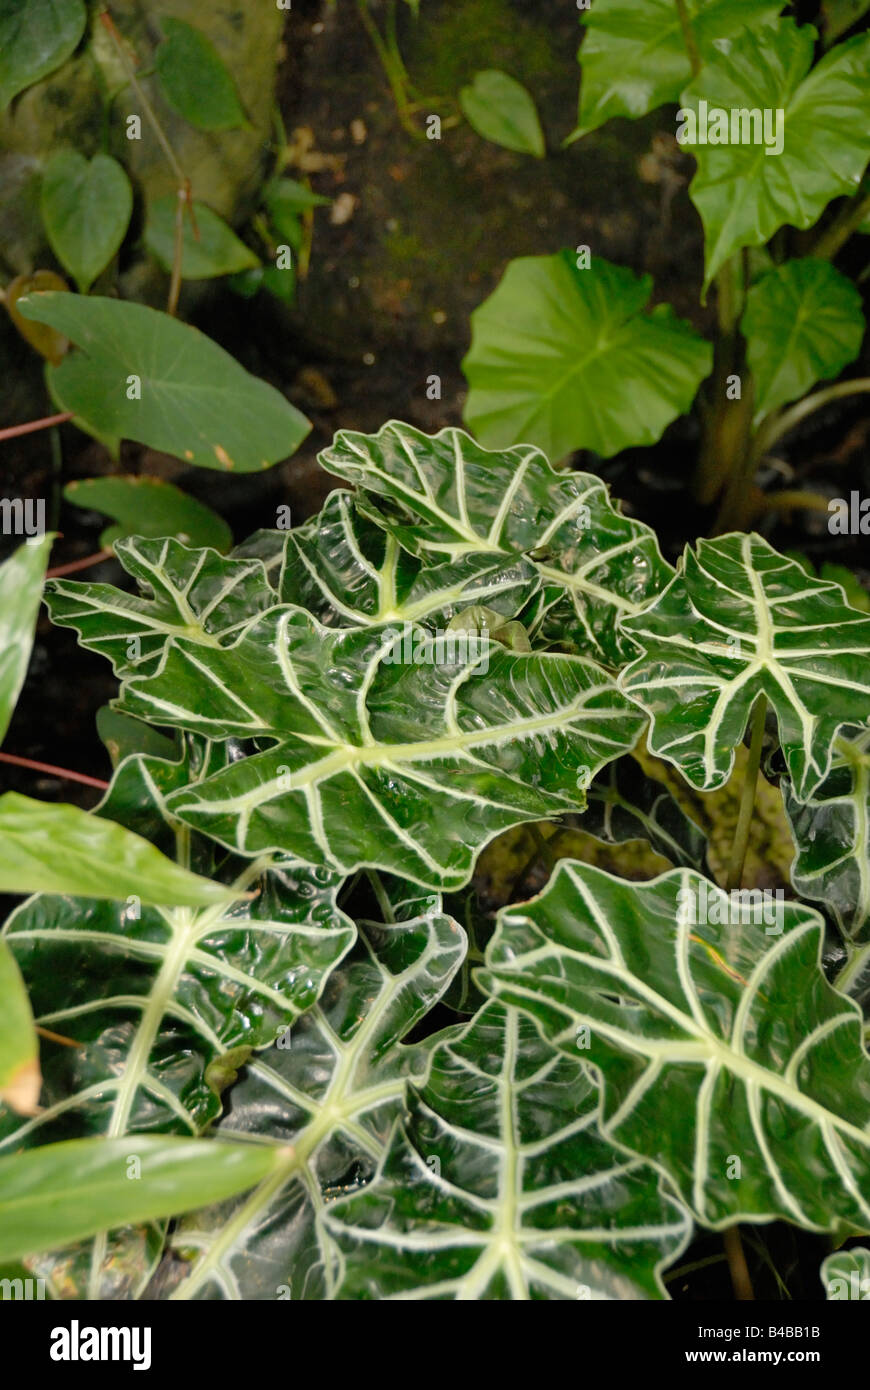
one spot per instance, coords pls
(832, 835)
(725, 1056)
(444, 497)
(738, 621)
(348, 572)
(624, 803)
(332, 1090)
(198, 594)
(499, 1186)
(389, 748)
(846, 1274)
(163, 1003)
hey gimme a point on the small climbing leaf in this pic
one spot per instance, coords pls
(86, 208)
(195, 80)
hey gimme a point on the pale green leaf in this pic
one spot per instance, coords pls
(146, 506)
(21, 579)
(20, 1078)
(86, 208)
(214, 249)
(500, 109)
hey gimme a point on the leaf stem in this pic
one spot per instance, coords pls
(96, 559)
(747, 799)
(689, 37)
(64, 773)
(775, 426)
(740, 1278)
(32, 426)
(849, 220)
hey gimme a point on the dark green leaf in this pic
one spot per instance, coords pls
(217, 251)
(150, 507)
(36, 36)
(86, 208)
(194, 78)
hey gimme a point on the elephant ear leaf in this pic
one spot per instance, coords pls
(444, 497)
(725, 1056)
(499, 1185)
(739, 621)
(389, 748)
(332, 1088)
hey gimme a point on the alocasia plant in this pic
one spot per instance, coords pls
(539, 1111)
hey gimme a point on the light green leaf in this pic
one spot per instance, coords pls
(332, 1089)
(725, 1057)
(162, 1000)
(348, 571)
(634, 57)
(445, 497)
(196, 594)
(846, 1274)
(744, 193)
(284, 201)
(36, 36)
(741, 620)
(86, 208)
(499, 1186)
(389, 747)
(500, 109)
(803, 323)
(48, 848)
(217, 251)
(146, 506)
(831, 831)
(21, 578)
(20, 1079)
(194, 79)
(196, 401)
(64, 1192)
(568, 359)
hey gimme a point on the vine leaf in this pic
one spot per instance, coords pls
(444, 497)
(36, 36)
(500, 109)
(567, 358)
(194, 79)
(154, 996)
(193, 399)
(499, 1186)
(333, 1094)
(635, 59)
(740, 620)
(744, 194)
(389, 748)
(725, 1057)
(86, 208)
(803, 323)
(216, 250)
(201, 595)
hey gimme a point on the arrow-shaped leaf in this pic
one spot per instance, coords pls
(725, 1056)
(392, 748)
(499, 1186)
(740, 620)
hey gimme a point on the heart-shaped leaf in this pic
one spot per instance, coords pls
(446, 497)
(21, 579)
(146, 506)
(197, 594)
(36, 36)
(568, 358)
(725, 1056)
(391, 748)
(500, 109)
(164, 1004)
(746, 191)
(738, 621)
(832, 833)
(215, 250)
(634, 57)
(803, 323)
(194, 78)
(143, 375)
(348, 571)
(332, 1089)
(499, 1186)
(86, 208)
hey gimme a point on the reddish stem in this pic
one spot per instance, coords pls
(32, 425)
(63, 772)
(95, 559)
